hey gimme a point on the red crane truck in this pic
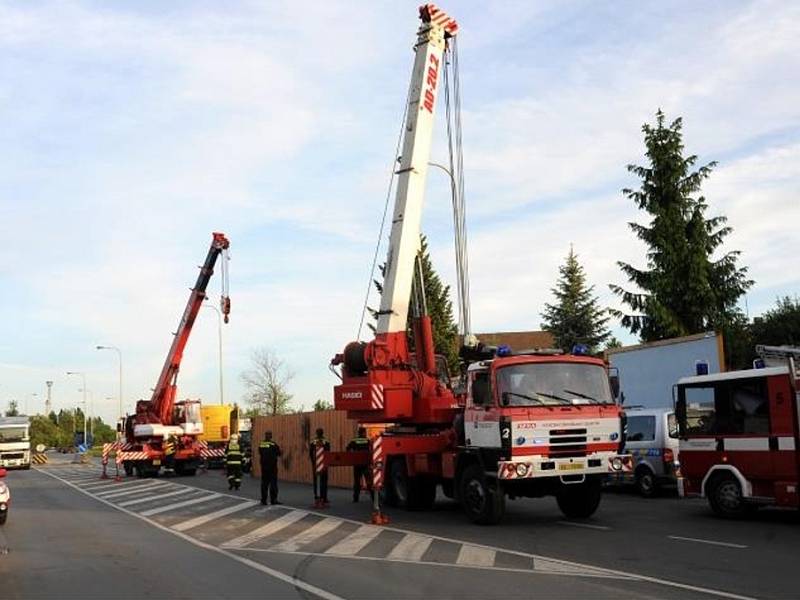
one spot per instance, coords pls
(527, 425)
(739, 435)
(162, 422)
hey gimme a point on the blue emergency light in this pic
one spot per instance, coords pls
(504, 350)
(580, 349)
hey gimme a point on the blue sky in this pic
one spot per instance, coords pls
(131, 132)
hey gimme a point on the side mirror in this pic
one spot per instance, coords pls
(119, 427)
(504, 398)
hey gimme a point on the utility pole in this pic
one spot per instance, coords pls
(48, 404)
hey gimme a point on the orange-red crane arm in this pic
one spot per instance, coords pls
(163, 398)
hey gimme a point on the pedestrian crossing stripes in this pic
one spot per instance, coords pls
(245, 527)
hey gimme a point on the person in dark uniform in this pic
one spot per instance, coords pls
(360, 443)
(268, 453)
(233, 464)
(321, 494)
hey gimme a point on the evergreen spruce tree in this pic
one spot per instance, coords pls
(683, 290)
(575, 318)
(440, 309)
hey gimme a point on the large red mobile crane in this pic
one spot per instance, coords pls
(528, 424)
(161, 421)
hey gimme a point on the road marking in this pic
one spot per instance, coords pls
(130, 490)
(169, 507)
(314, 532)
(290, 579)
(265, 530)
(410, 548)
(476, 556)
(584, 525)
(591, 571)
(712, 542)
(99, 484)
(151, 498)
(203, 519)
(354, 542)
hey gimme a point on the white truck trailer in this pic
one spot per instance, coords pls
(15, 443)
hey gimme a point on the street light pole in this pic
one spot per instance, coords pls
(83, 376)
(219, 343)
(119, 355)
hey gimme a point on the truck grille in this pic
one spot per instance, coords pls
(13, 455)
(567, 442)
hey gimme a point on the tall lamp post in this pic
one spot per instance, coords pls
(119, 356)
(83, 376)
(219, 343)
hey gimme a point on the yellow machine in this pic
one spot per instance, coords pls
(219, 422)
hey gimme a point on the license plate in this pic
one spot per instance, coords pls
(156, 462)
(570, 466)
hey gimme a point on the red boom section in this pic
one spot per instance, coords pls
(159, 408)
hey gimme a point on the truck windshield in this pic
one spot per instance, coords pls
(553, 383)
(13, 434)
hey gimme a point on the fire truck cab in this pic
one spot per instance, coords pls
(739, 439)
(547, 424)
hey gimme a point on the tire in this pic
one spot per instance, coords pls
(399, 482)
(388, 494)
(580, 500)
(646, 483)
(128, 468)
(725, 497)
(3, 517)
(483, 502)
(27, 467)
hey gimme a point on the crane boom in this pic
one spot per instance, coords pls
(163, 399)
(404, 240)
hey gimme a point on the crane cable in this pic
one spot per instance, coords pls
(455, 150)
(393, 173)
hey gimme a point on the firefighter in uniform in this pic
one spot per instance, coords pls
(360, 443)
(268, 453)
(233, 463)
(321, 494)
(170, 448)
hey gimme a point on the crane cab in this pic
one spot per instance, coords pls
(188, 416)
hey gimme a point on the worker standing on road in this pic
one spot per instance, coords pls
(233, 463)
(321, 489)
(360, 443)
(268, 453)
(170, 448)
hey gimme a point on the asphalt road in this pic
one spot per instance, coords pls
(73, 535)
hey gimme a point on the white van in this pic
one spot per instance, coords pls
(652, 439)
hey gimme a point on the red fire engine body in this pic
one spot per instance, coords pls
(739, 435)
(527, 424)
(164, 432)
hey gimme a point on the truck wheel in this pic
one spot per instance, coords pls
(484, 503)
(725, 497)
(3, 517)
(128, 468)
(399, 482)
(580, 500)
(646, 483)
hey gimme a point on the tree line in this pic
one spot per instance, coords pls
(688, 284)
(58, 430)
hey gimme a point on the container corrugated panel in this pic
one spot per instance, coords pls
(216, 422)
(294, 432)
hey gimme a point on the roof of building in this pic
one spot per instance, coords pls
(518, 340)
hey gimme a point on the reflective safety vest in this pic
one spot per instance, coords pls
(169, 447)
(234, 455)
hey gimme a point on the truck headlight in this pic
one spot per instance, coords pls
(616, 463)
(522, 469)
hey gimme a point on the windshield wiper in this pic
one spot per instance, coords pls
(525, 396)
(554, 397)
(586, 397)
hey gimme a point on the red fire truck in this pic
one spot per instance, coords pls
(529, 424)
(739, 435)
